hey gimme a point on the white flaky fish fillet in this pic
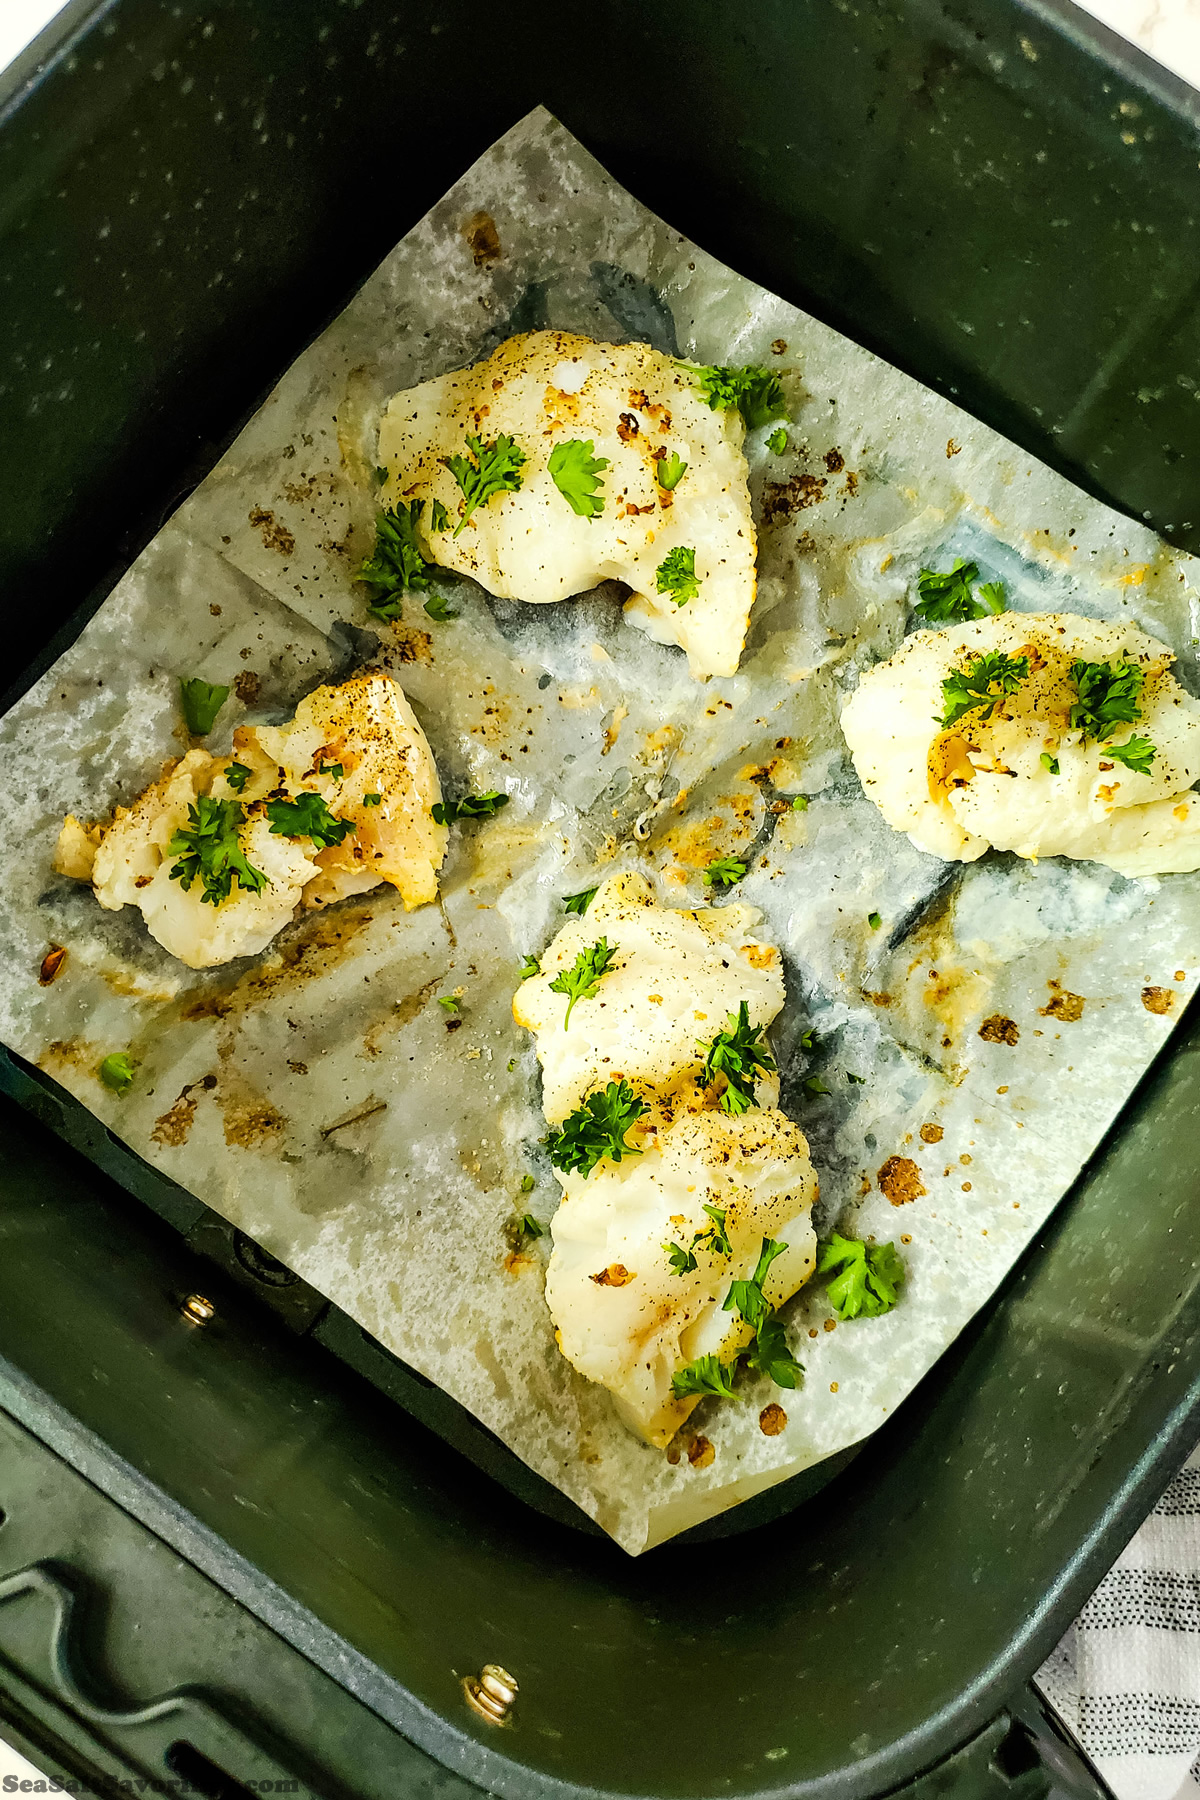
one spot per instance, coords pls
(624, 1318)
(982, 782)
(676, 978)
(632, 404)
(344, 743)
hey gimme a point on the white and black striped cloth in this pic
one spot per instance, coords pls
(1126, 1678)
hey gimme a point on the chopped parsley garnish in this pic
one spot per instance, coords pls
(676, 575)
(969, 689)
(116, 1072)
(1109, 696)
(530, 1227)
(209, 847)
(530, 966)
(576, 473)
(724, 871)
(858, 1080)
(682, 1261)
(1137, 754)
(707, 1375)
(777, 442)
(946, 598)
(237, 775)
(579, 903)
(439, 518)
(747, 1297)
(496, 469)
(381, 475)
(669, 471)
(866, 1278)
(449, 1003)
(874, 920)
(307, 817)
(814, 1087)
(527, 1184)
(769, 1354)
(438, 608)
(1048, 762)
(396, 564)
(739, 1055)
(800, 803)
(754, 391)
(334, 769)
(597, 1129)
(582, 979)
(471, 806)
(372, 799)
(201, 704)
(716, 1238)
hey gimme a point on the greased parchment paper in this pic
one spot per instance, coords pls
(315, 1096)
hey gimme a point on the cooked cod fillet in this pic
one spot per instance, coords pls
(624, 1318)
(676, 978)
(344, 743)
(631, 404)
(982, 782)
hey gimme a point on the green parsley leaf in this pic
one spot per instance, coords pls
(597, 1129)
(334, 769)
(676, 575)
(439, 518)
(800, 803)
(970, 689)
(237, 775)
(529, 967)
(738, 1054)
(945, 598)
(669, 471)
(496, 469)
(867, 1277)
(769, 1354)
(1048, 762)
(201, 704)
(682, 1261)
(381, 476)
(1137, 753)
(449, 1002)
(527, 1184)
(307, 817)
(992, 595)
(724, 871)
(116, 1072)
(208, 846)
(582, 979)
(874, 920)
(716, 1238)
(755, 392)
(471, 806)
(576, 474)
(808, 1038)
(814, 1087)
(747, 1297)
(397, 563)
(777, 442)
(372, 799)
(858, 1080)
(1109, 695)
(438, 608)
(530, 1227)
(579, 903)
(707, 1375)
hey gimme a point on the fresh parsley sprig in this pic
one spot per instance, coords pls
(747, 1297)
(117, 1071)
(210, 850)
(488, 470)
(945, 597)
(982, 685)
(397, 564)
(716, 1239)
(597, 1129)
(707, 1375)
(669, 470)
(1109, 695)
(579, 903)
(755, 391)
(307, 816)
(676, 575)
(865, 1276)
(236, 776)
(201, 704)
(576, 472)
(530, 966)
(683, 1262)
(724, 872)
(471, 806)
(738, 1054)
(582, 979)
(769, 1354)
(1136, 754)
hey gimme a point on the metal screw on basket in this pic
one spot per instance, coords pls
(197, 1310)
(491, 1693)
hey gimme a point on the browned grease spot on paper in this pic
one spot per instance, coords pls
(900, 1180)
(1063, 1004)
(174, 1127)
(1158, 999)
(251, 1122)
(999, 1030)
(411, 645)
(274, 535)
(700, 1452)
(248, 687)
(306, 952)
(483, 239)
(782, 499)
(771, 1420)
(932, 1134)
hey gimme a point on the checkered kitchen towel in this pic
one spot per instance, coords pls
(1126, 1678)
